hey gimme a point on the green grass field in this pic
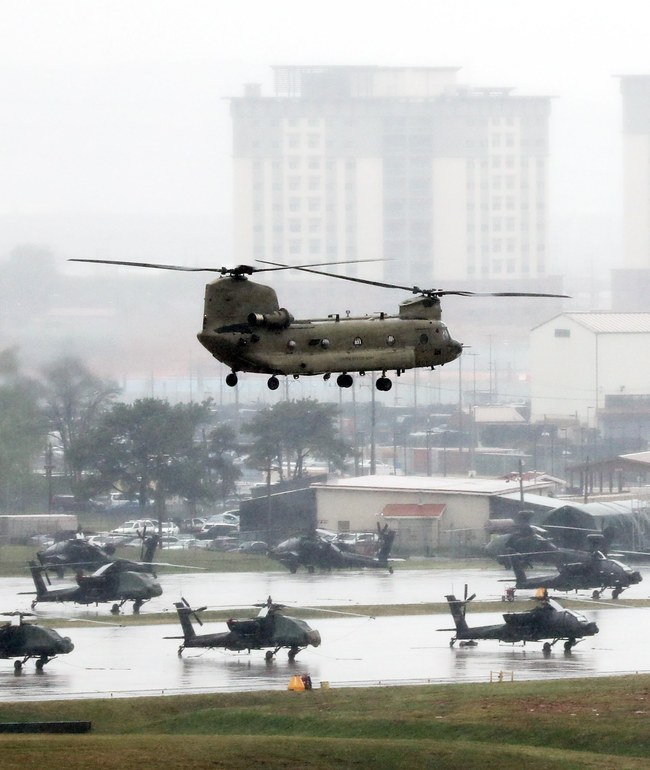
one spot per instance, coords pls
(569, 724)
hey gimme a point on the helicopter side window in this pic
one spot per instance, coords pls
(357, 342)
(291, 346)
(390, 340)
(325, 343)
(424, 338)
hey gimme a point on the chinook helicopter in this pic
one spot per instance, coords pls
(245, 328)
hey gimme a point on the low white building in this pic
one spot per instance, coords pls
(578, 359)
(429, 513)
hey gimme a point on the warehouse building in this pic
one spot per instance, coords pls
(429, 513)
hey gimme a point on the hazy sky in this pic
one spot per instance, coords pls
(118, 107)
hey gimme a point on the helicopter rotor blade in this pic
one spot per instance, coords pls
(417, 289)
(154, 265)
(194, 612)
(281, 266)
(238, 270)
(249, 270)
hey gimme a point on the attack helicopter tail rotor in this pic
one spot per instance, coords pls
(466, 600)
(195, 612)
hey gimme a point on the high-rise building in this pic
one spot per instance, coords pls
(447, 183)
(630, 283)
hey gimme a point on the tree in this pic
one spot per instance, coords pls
(286, 435)
(221, 448)
(75, 400)
(22, 429)
(148, 449)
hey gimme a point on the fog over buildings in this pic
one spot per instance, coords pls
(117, 143)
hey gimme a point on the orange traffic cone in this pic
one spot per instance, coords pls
(296, 684)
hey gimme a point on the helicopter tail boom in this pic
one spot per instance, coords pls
(456, 607)
(184, 613)
(39, 582)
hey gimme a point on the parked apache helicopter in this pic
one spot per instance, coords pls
(114, 582)
(75, 552)
(547, 620)
(269, 629)
(532, 543)
(245, 328)
(78, 553)
(29, 640)
(595, 571)
(319, 552)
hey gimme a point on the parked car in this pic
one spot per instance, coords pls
(252, 546)
(135, 526)
(226, 523)
(167, 528)
(192, 525)
(72, 504)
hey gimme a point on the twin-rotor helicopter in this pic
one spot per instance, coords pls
(245, 328)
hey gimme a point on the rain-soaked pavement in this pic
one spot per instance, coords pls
(120, 661)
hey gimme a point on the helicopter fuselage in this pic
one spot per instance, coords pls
(245, 328)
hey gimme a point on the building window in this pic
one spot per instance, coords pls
(563, 332)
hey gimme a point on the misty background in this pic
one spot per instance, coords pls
(116, 143)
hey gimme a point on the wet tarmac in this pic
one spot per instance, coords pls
(121, 661)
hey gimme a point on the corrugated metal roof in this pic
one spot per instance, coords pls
(443, 484)
(612, 323)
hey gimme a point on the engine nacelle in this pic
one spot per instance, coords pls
(278, 319)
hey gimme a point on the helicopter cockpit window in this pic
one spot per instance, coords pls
(424, 338)
(357, 342)
(325, 343)
(444, 333)
(390, 340)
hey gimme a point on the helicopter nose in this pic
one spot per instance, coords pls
(591, 629)
(635, 577)
(455, 349)
(313, 638)
(66, 645)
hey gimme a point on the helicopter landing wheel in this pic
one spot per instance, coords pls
(595, 595)
(384, 383)
(231, 380)
(136, 606)
(273, 383)
(115, 609)
(40, 663)
(292, 653)
(616, 593)
(546, 649)
(568, 645)
(344, 381)
(268, 656)
(18, 665)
